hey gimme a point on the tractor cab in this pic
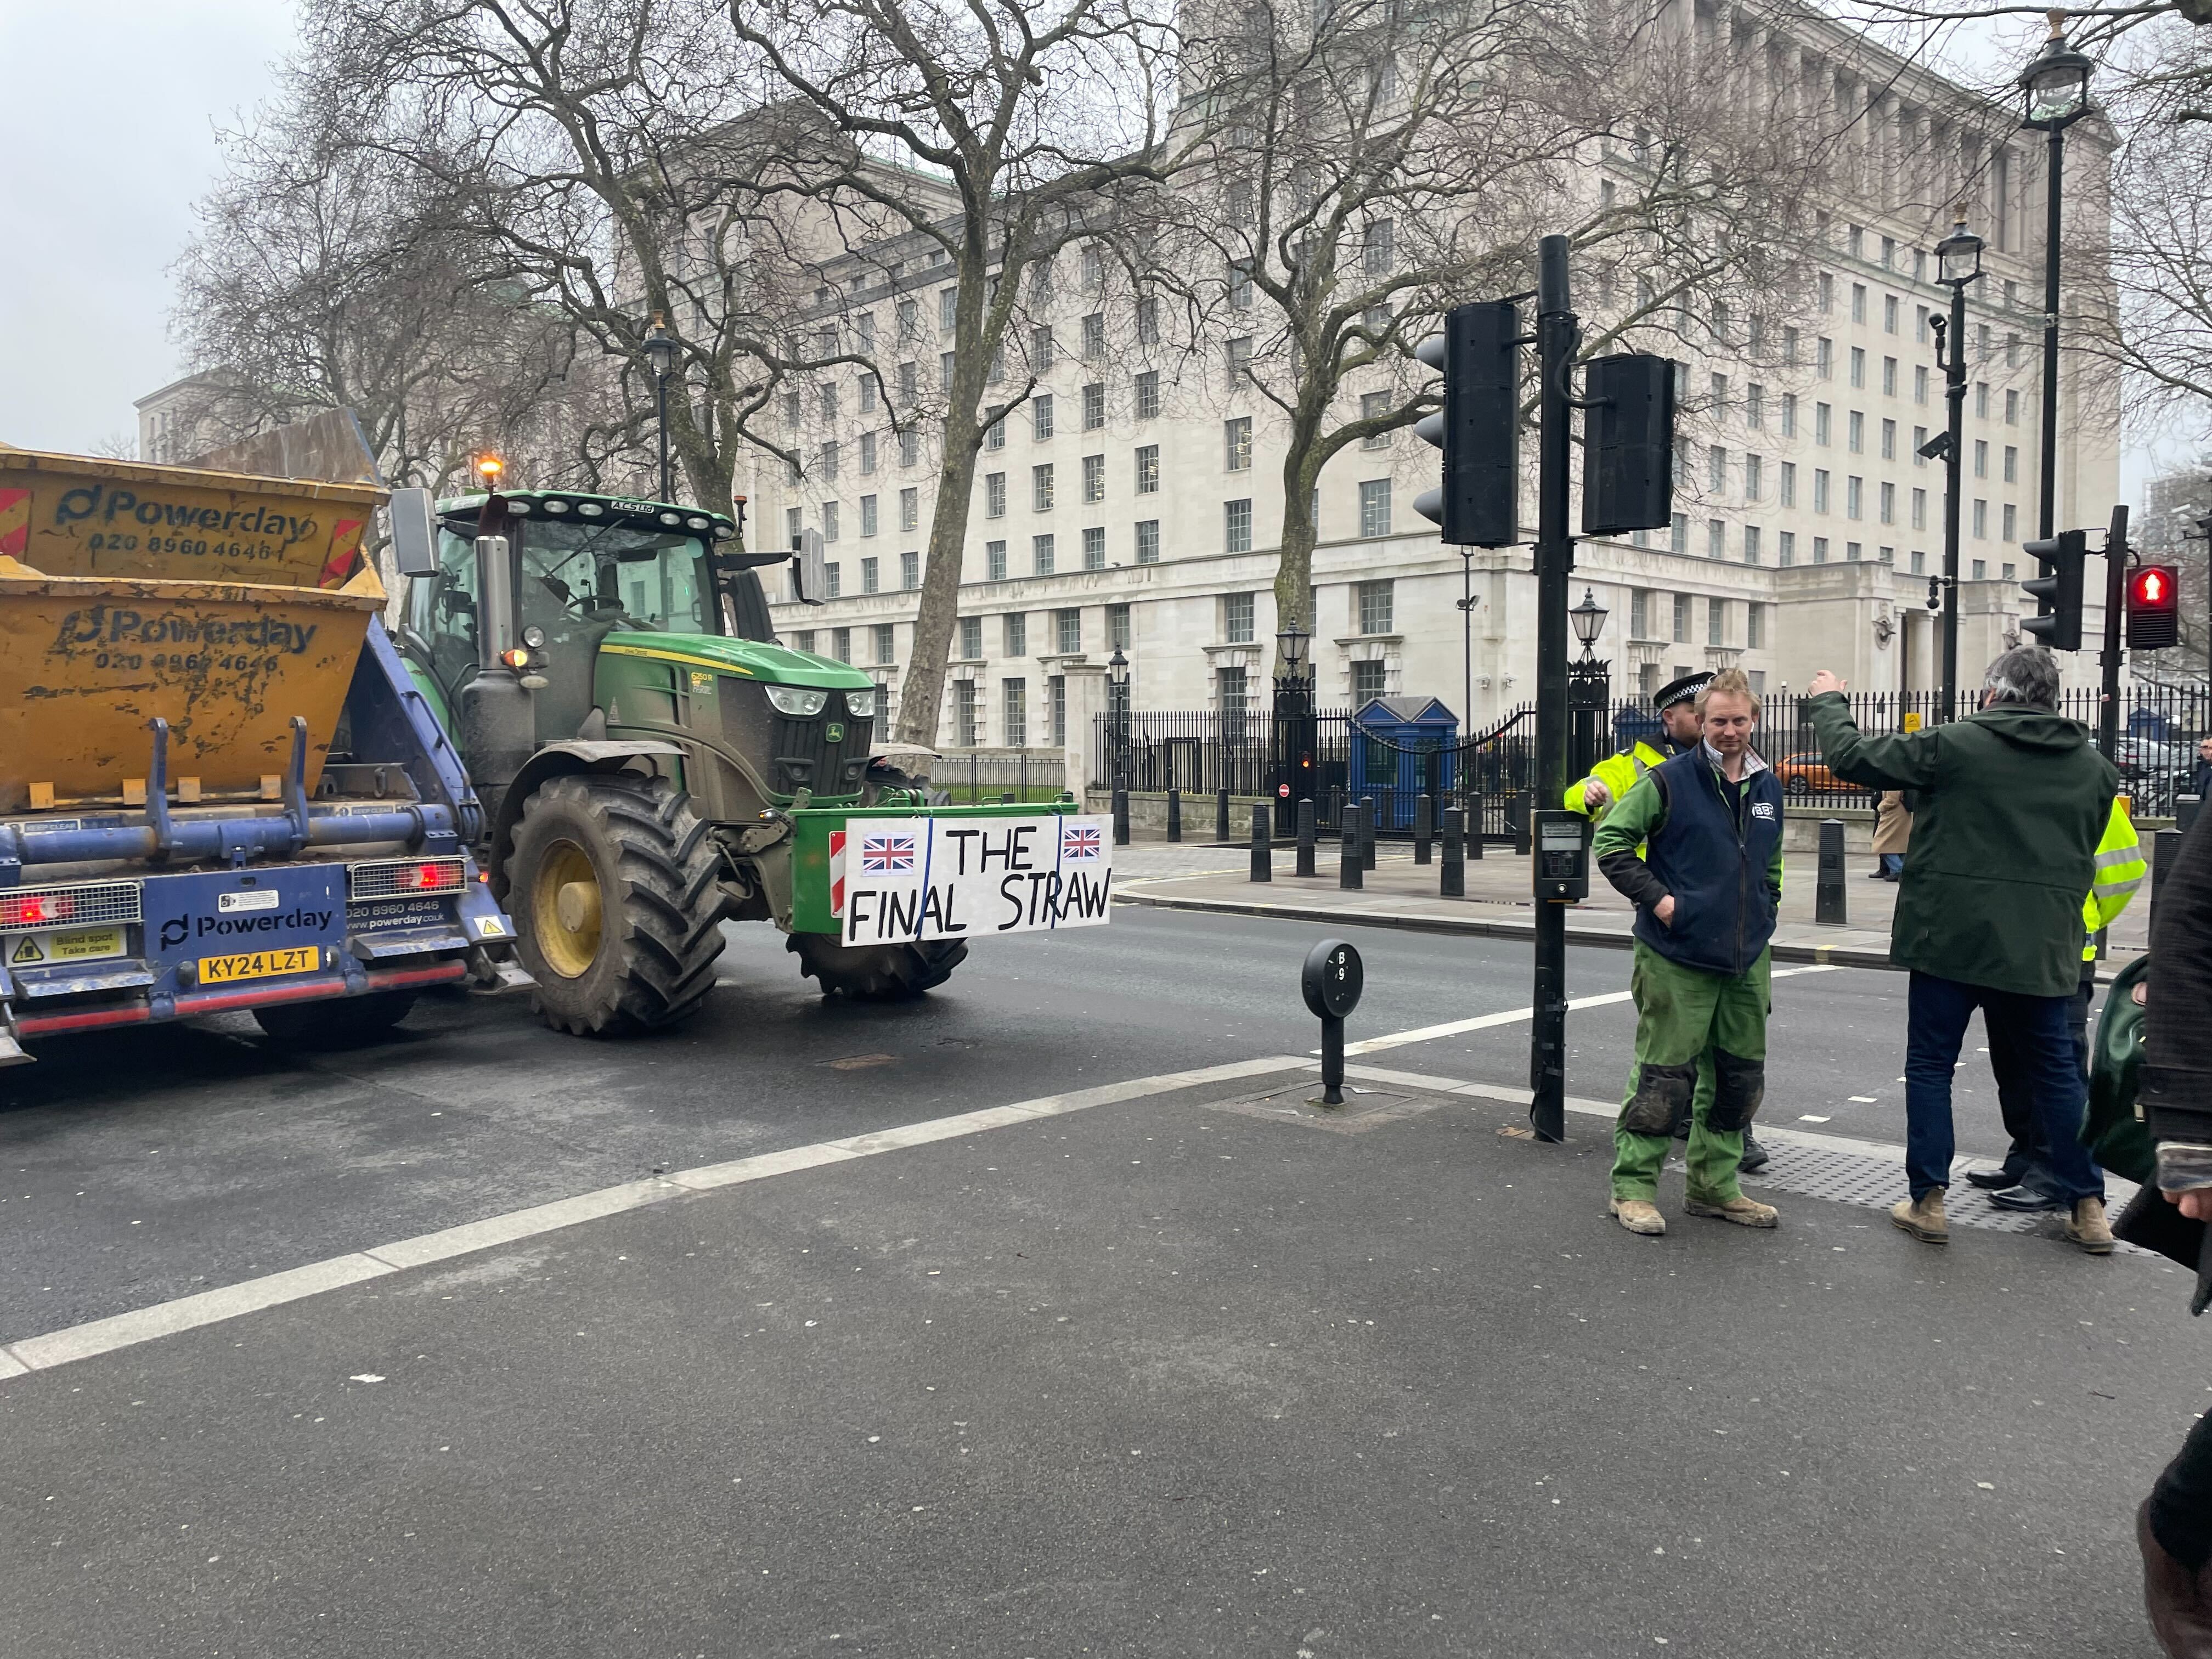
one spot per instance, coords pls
(639, 620)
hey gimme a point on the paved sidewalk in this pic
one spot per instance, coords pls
(1200, 1373)
(1398, 893)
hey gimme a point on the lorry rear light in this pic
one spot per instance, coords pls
(405, 878)
(89, 905)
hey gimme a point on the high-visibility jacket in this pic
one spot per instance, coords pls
(2120, 871)
(1617, 773)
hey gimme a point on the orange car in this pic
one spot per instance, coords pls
(1803, 775)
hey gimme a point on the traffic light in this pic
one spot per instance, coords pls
(2058, 594)
(2153, 608)
(1628, 445)
(1479, 430)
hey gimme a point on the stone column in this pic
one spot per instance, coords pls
(1089, 694)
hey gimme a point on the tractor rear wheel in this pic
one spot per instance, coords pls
(335, 1021)
(612, 885)
(876, 973)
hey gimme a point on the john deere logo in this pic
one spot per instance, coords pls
(836, 733)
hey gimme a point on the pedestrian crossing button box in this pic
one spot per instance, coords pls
(1562, 862)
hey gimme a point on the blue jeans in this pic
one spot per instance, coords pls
(2034, 1030)
(1892, 864)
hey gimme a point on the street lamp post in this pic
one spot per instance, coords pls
(660, 352)
(2056, 91)
(1117, 675)
(1958, 262)
(1589, 687)
(1294, 712)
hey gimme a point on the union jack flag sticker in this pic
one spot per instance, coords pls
(1079, 843)
(887, 855)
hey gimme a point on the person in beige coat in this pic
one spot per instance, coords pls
(1892, 830)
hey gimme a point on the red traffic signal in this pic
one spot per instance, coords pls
(2153, 607)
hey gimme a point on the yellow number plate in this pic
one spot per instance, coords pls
(260, 964)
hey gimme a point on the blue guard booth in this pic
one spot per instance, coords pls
(1401, 746)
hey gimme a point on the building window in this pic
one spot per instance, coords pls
(1752, 621)
(1374, 406)
(1919, 562)
(1378, 247)
(1824, 358)
(910, 447)
(2011, 522)
(1236, 524)
(1094, 406)
(909, 570)
(1717, 622)
(994, 495)
(1790, 348)
(886, 643)
(830, 461)
(1889, 377)
(1117, 628)
(1981, 400)
(1679, 533)
(1094, 337)
(994, 557)
(1148, 470)
(1981, 570)
(867, 516)
(1374, 506)
(1094, 547)
(1716, 467)
(1017, 714)
(1858, 366)
(1754, 477)
(2011, 463)
(1751, 543)
(1851, 552)
(1889, 440)
(1230, 686)
(1237, 610)
(1148, 541)
(1825, 286)
(1789, 414)
(1920, 509)
(963, 713)
(2009, 571)
(1041, 416)
(1041, 555)
(1855, 498)
(1041, 488)
(1716, 539)
(1040, 346)
(945, 360)
(867, 454)
(1067, 632)
(1754, 405)
(1377, 604)
(2012, 408)
(1370, 680)
(1148, 394)
(804, 641)
(794, 524)
(1819, 489)
(1789, 490)
(1855, 433)
(1889, 310)
(1819, 549)
(910, 509)
(994, 435)
(841, 644)
(1682, 617)
(1785, 547)
(1017, 627)
(1148, 322)
(1919, 441)
(1888, 503)
(1639, 614)
(1858, 300)
(971, 638)
(829, 521)
(1822, 415)
(1920, 384)
(1094, 478)
(1237, 442)
(871, 575)
(1981, 458)
(1888, 555)
(1981, 521)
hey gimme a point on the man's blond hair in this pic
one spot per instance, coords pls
(1732, 681)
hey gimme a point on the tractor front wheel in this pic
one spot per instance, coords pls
(876, 973)
(612, 884)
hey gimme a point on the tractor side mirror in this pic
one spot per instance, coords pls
(414, 534)
(810, 571)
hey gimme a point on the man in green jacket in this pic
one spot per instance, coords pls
(2012, 803)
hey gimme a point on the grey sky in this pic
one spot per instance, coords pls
(108, 127)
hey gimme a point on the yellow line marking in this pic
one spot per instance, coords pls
(676, 656)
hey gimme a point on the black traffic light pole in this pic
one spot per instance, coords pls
(1555, 561)
(2116, 591)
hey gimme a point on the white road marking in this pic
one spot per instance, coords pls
(1807, 1117)
(1511, 1015)
(186, 1313)
(1863, 1100)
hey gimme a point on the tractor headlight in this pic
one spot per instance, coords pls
(861, 705)
(796, 700)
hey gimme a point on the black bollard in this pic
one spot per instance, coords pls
(1175, 814)
(1451, 879)
(1336, 804)
(1367, 832)
(1263, 844)
(1474, 814)
(1306, 836)
(1516, 814)
(1332, 980)
(1828, 886)
(1348, 876)
(1424, 825)
(1221, 817)
(1120, 817)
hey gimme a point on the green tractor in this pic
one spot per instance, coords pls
(652, 762)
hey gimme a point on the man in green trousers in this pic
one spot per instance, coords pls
(1705, 885)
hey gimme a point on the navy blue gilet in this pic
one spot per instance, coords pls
(1713, 865)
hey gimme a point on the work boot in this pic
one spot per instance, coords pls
(2089, 1227)
(1744, 1212)
(1639, 1215)
(1755, 1156)
(2179, 1602)
(1922, 1216)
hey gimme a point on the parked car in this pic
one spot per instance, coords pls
(1808, 774)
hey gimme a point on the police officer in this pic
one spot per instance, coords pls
(1614, 777)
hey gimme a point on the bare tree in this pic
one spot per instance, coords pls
(989, 130)
(1371, 166)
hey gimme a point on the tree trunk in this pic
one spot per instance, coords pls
(921, 696)
(1294, 562)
